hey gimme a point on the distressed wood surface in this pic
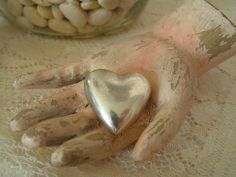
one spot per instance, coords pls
(204, 147)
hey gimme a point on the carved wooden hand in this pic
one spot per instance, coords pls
(172, 57)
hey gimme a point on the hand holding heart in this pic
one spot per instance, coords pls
(171, 58)
(168, 75)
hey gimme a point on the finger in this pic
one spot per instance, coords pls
(57, 130)
(96, 145)
(159, 132)
(64, 103)
(178, 88)
(52, 78)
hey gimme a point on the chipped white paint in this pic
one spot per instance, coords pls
(204, 146)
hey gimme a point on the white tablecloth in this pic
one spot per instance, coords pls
(205, 146)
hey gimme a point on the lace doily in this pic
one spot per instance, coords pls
(205, 146)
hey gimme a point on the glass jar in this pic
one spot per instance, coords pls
(77, 18)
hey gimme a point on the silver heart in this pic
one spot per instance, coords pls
(116, 99)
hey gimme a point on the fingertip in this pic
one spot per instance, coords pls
(30, 142)
(135, 156)
(24, 81)
(141, 153)
(17, 84)
(21, 83)
(15, 126)
(18, 123)
(139, 157)
(59, 159)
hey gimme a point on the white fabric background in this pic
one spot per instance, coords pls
(205, 146)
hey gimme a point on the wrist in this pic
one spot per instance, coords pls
(200, 31)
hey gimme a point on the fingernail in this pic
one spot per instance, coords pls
(18, 123)
(139, 156)
(30, 142)
(23, 81)
(17, 84)
(59, 159)
(15, 125)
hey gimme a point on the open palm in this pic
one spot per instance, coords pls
(171, 58)
(66, 119)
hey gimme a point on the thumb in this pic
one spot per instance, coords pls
(176, 83)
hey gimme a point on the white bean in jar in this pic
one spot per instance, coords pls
(68, 17)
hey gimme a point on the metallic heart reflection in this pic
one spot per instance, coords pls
(117, 99)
